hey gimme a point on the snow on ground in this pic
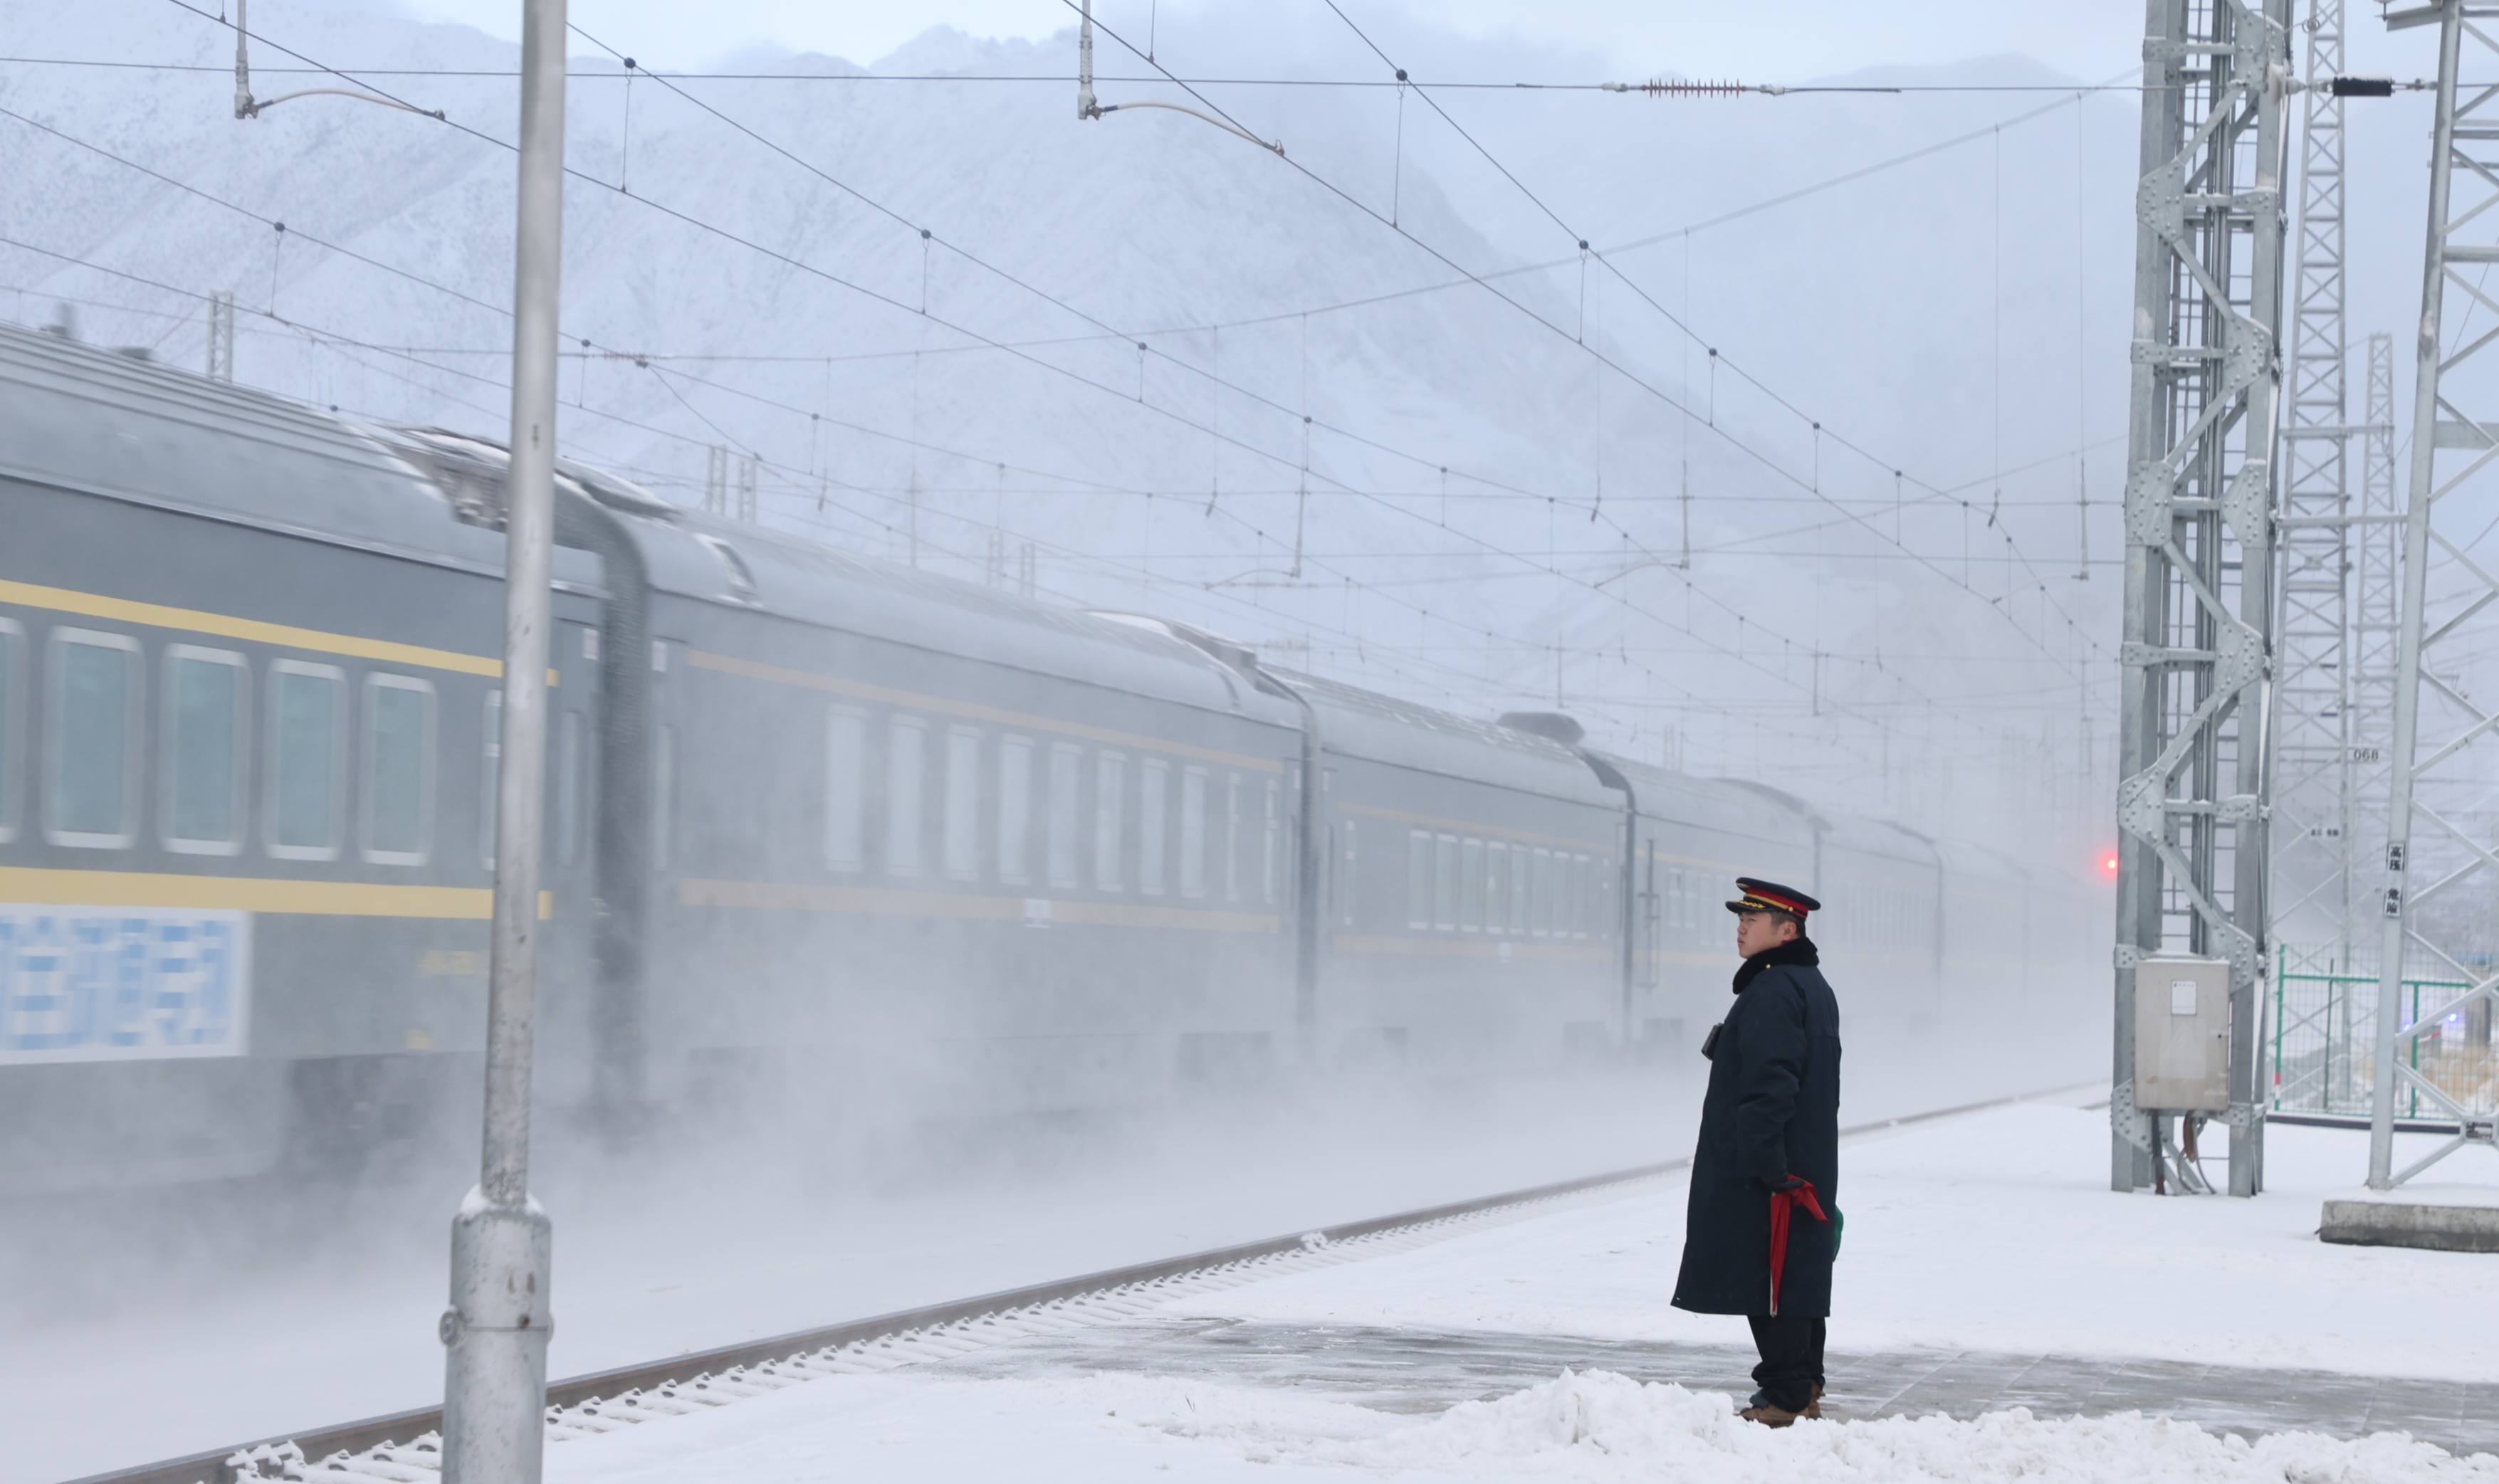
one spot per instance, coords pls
(336, 1318)
(1995, 1231)
(1991, 1231)
(1597, 1426)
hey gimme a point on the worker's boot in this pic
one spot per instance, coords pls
(1770, 1413)
(1813, 1410)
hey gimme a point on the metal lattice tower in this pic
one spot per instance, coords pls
(221, 336)
(2439, 829)
(2199, 560)
(2311, 829)
(2377, 606)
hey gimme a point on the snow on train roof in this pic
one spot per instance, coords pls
(823, 585)
(1882, 837)
(1715, 803)
(81, 418)
(1381, 728)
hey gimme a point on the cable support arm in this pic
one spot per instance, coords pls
(1089, 107)
(249, 107)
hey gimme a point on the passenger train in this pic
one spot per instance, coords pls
(814, 822)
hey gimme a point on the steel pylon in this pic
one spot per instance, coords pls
(2200, 554)
(2312, 828)
(2442, 773)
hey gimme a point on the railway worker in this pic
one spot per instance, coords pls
(1768, 1155)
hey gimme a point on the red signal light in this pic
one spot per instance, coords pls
(2108, 864)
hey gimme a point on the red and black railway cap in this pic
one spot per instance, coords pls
(1770, 896)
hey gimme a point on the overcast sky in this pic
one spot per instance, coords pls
(1809, 38)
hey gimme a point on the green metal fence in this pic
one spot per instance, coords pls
(2324, 1040)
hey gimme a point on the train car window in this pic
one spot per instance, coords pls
(1418, 877)
(962, 804)
(906, 792)
(1014, 809)
(1519, 866)
(490, 793)
(1067, 776)
(572, 769)
(1445, 882)
(1232, 838)
(1110, 796)
(207, 712)
(94, 704)
(1539, 912)
(1582, 898)
(12, 722)
(663, 794)
(1272, 849)
(1192, 832)
(1154, 803)
(1601, 892)
(1471, 886)
(398, 770)
(1345, 880)
(1496, 917)
(845, 790)
(307, 707)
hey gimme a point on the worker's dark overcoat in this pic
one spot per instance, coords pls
(1772, 1110)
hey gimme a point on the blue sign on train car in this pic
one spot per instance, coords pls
(108, 984)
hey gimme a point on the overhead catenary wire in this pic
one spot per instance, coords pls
(850, 285)
(1654, 87)
(336, 339)
(1214, 434)
(317, 336)
(1761, 458)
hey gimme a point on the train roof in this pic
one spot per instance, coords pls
(1715, 803)
(101, 422)
(1883, 838)
(824, 586)
(1355, 722)
(733, 564)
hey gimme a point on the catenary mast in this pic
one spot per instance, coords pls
(497, 1329)
(2311, 829)
(2200, 561)
(2439, 843)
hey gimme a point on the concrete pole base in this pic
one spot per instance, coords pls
(495, 1335)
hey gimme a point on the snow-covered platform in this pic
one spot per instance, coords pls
(1996, 1320)
(2446, 1218)
(1428, 1372)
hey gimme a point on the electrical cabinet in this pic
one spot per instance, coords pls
(2182, 1034)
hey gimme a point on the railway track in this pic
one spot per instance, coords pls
(404, 1447)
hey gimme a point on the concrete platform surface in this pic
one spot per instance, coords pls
(1424, 1372)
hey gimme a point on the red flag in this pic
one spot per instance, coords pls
(1781, 1201)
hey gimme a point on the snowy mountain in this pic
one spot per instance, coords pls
(1197, 377)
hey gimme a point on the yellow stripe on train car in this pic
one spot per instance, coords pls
(41, 887)
(124, 610)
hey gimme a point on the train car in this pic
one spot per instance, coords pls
(886, 841)
(874, 845)
(1467, 916)
(1691, 838)
(247, 688)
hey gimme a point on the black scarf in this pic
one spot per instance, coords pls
(1798, 950)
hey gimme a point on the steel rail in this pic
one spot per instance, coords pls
(214, 1467)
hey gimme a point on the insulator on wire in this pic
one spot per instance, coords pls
(1662, 87)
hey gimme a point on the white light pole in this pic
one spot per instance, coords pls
(497, 1329)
